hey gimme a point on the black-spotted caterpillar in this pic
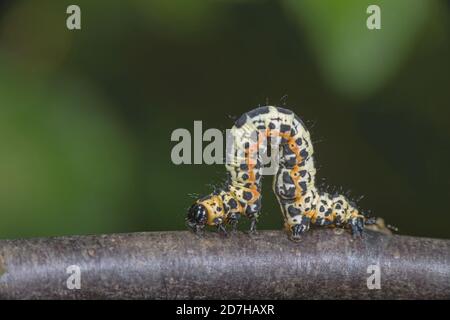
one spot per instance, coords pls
(302, 204)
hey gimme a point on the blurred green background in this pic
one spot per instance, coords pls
(86, 116)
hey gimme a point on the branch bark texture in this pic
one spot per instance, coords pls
(181, 265)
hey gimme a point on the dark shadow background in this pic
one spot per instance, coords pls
(86, 116)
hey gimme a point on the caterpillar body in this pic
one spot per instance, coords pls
(294, 184)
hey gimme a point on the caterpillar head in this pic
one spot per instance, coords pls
(206, 211)
(197, 217)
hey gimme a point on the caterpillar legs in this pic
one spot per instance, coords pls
(253, 222)
(300, 223)
(233, 221)
(297, 230)
(221, 229)
(357, 226)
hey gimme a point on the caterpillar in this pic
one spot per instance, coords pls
(302, 203)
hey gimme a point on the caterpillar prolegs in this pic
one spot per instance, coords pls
(302, 204)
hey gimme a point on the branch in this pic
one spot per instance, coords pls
(180, 265)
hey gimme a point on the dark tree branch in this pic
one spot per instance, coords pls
(165, 265)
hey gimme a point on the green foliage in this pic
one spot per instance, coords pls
(65, 162)
(355, 60)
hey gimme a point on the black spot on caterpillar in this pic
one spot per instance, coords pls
(301, 203)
